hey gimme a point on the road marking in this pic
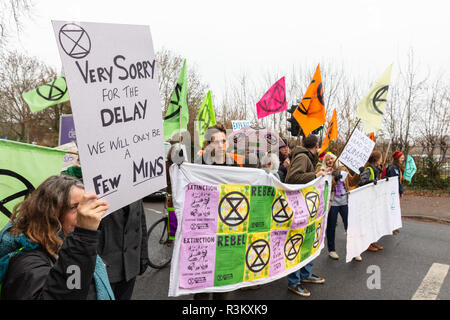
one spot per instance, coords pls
(431, 284)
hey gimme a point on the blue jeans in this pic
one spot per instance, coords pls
(304, 273)
(331, 224)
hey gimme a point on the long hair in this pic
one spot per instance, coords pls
(396, 162)
(374, 157)
(39, 215)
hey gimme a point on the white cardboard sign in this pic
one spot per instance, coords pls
(357, 151)
(112, 80)
(239, 124)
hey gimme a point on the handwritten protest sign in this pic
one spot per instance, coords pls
(111, 77)
(239, 124)
(241, 227)
(357, 151)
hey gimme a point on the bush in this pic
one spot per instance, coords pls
(422, 181)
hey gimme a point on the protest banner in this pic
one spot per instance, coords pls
(356, 151)
(23, 167)
(113, 86)
(239, 124)
(241, 227)
(66, 129)
(273, 101)
(373, 211)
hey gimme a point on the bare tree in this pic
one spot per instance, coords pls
(169, 67)
(12, 13)
(434, 127)
(19, 74)
(404, 104)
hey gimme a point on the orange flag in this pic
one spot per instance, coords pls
(310, 114)
(332, 133)
(372, 136)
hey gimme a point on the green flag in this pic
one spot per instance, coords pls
(23, 167)
(47, 95)
(177, 106)
(410, 168)
(205, 118)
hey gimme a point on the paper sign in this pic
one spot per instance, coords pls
(357, 151)
(239, 124)
(113, 87)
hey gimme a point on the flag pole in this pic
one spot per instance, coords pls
(179, 128)
(387, 151)
(356, 125)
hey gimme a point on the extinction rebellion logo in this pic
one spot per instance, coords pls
(28, 189)
(74, 40)
(53, 91)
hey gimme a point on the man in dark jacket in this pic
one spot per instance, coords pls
(123, 247)
(301, 171)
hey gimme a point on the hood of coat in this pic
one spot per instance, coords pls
(300, 149)
(11, 245)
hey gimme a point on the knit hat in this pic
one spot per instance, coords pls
(397, 154)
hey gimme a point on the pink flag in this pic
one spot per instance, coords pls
(273, 101)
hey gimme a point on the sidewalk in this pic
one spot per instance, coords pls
(433, 208)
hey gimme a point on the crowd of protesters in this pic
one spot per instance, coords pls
(58, 225)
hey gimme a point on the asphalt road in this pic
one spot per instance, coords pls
(402, 266)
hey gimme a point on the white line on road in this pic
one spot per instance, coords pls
(431, 284)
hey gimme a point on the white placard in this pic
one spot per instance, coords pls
(111, 76)
(239, 124)
(357, 151)
(373, 211)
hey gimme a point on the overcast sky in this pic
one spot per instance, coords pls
(223, 39)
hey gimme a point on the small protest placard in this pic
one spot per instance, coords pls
(357, 151)
(66, 129)
(111, 76)
(239, 124)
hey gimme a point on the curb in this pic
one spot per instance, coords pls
(428, 217)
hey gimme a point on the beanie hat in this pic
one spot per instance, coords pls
(397, 154)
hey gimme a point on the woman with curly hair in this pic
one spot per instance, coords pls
(48, 250)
